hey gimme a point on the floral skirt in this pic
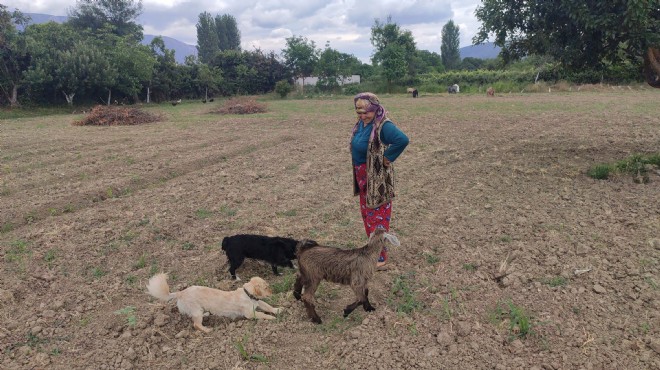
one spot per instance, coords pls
(373, 218)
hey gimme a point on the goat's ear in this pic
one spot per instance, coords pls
(392, 239)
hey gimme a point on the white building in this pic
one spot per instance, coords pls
(312, 80)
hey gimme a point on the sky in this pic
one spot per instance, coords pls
(265, 24)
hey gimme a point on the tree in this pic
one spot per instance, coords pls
(229, 38)
(394, 64)
(207, 38)
(300, 56)
(390, 41)
(449, 50)
(579, 34)
(66, 62)
(121, 15)
(208, 78)
(429, 62)
(332, 67)
(14, 55)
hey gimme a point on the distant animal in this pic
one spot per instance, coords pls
(410, 90)
(453, 89)
(195, 300)
(352, 267)
(415, 93)
(278, 251)
(175, 102)
(490, 91)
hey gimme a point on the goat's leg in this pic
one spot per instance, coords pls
(308, 300)
(274, 266)
(297, 287)
(365, 304)
(350, 308)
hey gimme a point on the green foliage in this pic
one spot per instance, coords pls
(300, 55)
(449, 50)
(395, 51)
(578, 34)
(207, 37)
(599, 172)
(636, 165)
(283, 88)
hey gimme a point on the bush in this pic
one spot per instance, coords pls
(283, 88)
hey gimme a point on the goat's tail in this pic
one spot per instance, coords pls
(158, 287)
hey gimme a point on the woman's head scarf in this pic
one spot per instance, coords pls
(368, 102)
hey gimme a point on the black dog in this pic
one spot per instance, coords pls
(277, 251)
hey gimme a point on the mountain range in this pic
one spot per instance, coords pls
(181, 49)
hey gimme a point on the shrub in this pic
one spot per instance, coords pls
(283, 88)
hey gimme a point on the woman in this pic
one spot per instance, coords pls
(375, 144)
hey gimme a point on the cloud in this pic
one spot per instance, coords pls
(266, 24)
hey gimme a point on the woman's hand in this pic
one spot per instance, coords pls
(386, 162)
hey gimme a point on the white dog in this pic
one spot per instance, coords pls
(194, 300)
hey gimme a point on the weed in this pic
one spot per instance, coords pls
(635, 165)
(49, 257)
(53, 211)
(470, 267)
(506, 238)
(141, 262)
(30, 217)
(203, 213)
(240, 346)
(154, 268)
(143, 222)
(600, 172)
(403, 298)
(98, 273)
(69, 208)
(129, 312)
(520, 323)
(188, 246)
(652, 283)
(432, 259)
(6, 227)
(285, 284)
(4, 191)
(130, 279)
(555, 281)
(17, 250)
(288, 213)
(227, 211)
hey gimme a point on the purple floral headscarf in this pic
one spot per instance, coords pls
(368, 102)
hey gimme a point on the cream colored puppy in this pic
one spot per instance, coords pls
(194, 300)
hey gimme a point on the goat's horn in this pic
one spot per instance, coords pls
(392, 239)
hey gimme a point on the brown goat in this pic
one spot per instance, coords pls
(352, 267)
(490, 91)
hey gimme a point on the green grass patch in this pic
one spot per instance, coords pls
(555, 281)
(402, 297)
(520, 323)
(635, 165)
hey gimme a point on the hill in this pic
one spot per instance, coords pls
(484, 51)
(181, 49)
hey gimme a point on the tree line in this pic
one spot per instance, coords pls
(96, 56)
